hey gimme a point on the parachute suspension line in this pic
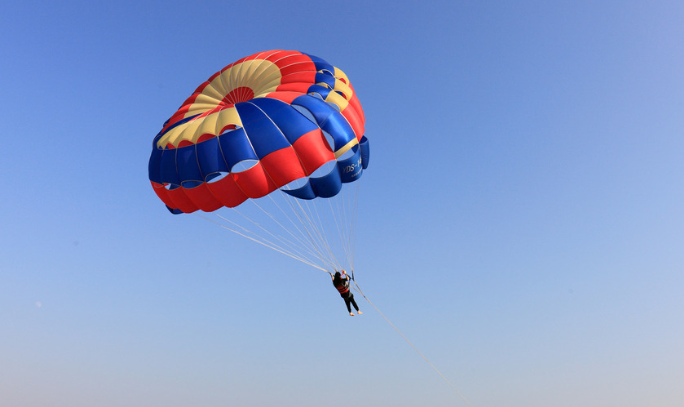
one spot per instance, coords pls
(309, 235)
(299, 240)
(317, 207)
(339, 222)
(289, 251)
(318, 239)
(256, 224)
(307, 228)
(358, 289)
(357, 194)
(305, 261)
(348, 208)
(350, 241)
(353, 223)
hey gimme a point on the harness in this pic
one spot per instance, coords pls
(344, 288)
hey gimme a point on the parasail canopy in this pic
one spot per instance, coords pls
(273, 120)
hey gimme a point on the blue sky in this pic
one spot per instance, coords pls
(521, 219)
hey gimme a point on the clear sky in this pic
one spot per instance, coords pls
(522, 218)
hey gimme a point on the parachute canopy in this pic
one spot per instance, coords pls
(273, 120)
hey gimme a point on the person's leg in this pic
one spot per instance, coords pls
(347, 301)
(353, 303)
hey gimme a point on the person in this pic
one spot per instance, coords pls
(341, 282)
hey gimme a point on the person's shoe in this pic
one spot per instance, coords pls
(351, 314)
(359, 312)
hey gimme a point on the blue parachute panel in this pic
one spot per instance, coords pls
(304, 192)
(189, 170)
(210, 158)
(236, 147)
(289, 121)
(321, 90)
(346, 171)
(329, 120)
(168, 170)
(328, 185)
(154, 166)
(351, 168)
(267, 137)
(365, 151)
(326, 78)
(320, 64)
